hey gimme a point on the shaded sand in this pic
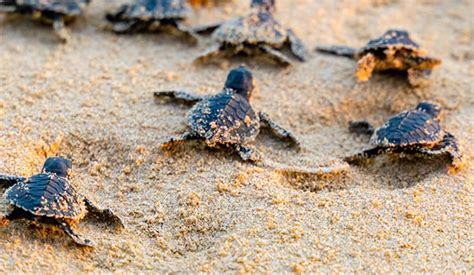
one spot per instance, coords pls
(195, 209)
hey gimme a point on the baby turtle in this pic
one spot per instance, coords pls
(55, 12)
(152, 15)
(392, 51)
(257, 32)
(226, 118)
(49, 198)
(415, 132)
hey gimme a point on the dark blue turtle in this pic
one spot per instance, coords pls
(415, 131)
(55, 12)
(152, 15)
(257, 32)
(394, 50)
(226, 118)
(49, 198)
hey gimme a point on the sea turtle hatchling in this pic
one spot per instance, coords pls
(257, 32)
(394, 50)
(412, 132)
(152, 15)
(48, 197)
(55, 12)
(227, 119)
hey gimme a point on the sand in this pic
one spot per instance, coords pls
(193, 209)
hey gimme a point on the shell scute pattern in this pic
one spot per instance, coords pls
(47, 195)
(224, 118)
(69, 7)
(391, 38)
(257, 27)
(407, 128)
(156, 9)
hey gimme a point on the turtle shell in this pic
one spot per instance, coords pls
(66, 7)
(226, 118)
(391, 39)
(257, 27)
(412, 127)
(47, 195)
(155, 10)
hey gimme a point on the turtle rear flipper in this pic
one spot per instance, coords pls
(248, 153)
(7, 180)
(277, 130)
(188, 32)
(448, 146)
(212, 52)
(297, 47)
(206, 29)
(128, 26)
(338, 50)
(104, 215)
(78, 239)
(61, 30)
(275, 55)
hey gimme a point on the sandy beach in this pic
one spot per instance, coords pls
(194, 209)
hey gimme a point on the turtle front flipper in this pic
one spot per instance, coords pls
(361, 127)
(60, 29)
(365, 67)
(104, 215)
(175, 140)
(366, 154)
(248, 153)
(277, 130)
(7, 180)
(448, 146)
(179, 96)
(338, 50)
(297, 47)
(275, 55)
(188, 32)
(78, 239)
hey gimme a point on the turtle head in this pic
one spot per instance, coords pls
(240, 80)
(58, 165)
(268, 5)
(432, 109)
